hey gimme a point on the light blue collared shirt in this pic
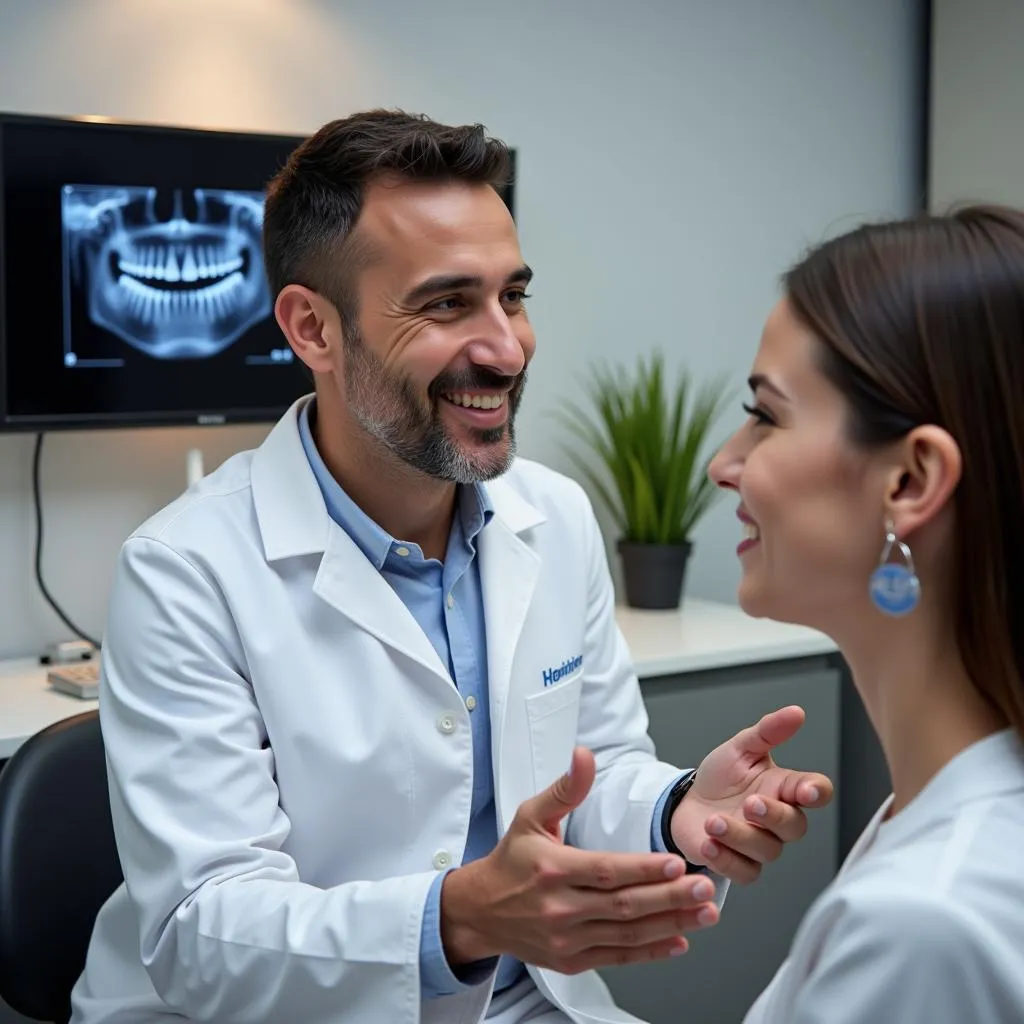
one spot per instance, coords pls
(458, 635)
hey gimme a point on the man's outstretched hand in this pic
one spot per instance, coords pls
(743, 807)
(571, 910)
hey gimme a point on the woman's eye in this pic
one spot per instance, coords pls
(758, 414)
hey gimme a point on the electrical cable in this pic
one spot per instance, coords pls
(38, 502)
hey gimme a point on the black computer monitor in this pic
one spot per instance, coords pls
(132, 289)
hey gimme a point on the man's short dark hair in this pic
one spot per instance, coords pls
(314, 201)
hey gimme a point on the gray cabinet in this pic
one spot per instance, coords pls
(729, 965)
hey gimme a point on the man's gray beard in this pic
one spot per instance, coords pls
(389, 411)
(435, 453)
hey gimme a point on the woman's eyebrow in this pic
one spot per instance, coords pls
(761, 380)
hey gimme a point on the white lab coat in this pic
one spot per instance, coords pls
(925, 922)
(291, 764)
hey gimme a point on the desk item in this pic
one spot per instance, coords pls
(68, 652)
(81, 680)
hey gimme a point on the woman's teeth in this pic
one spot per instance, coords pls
(477, 401)
(751, 531)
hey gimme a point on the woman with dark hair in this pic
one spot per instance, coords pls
(880, 480)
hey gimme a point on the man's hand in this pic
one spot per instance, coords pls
(743, 807)
(554, 906)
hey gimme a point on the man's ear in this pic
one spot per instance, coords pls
(311, 325)
(925, 474)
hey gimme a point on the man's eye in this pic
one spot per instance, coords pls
(515, 295)
(445, 305)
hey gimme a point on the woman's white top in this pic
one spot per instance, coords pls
(925, 920)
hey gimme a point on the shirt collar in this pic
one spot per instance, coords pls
(987, 768)
(474, 505)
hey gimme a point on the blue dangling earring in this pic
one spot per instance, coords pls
(895, 589)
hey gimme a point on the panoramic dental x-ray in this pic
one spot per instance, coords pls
(182, 286)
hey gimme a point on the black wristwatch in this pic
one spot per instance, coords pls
(675, 798)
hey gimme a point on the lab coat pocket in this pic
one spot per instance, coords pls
(553, 715)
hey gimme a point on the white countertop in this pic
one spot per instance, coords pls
(705, 634)
(700, 635)
(28, 703)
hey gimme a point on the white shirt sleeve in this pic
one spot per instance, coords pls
(913, 959)
(613, 723)
(619, 812)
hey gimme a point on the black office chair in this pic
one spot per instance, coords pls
(58, 863)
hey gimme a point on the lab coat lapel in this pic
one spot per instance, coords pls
(349, 582)
(509, 568)
(294, 521)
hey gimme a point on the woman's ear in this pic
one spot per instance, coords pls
(310, 324)
(922, 480)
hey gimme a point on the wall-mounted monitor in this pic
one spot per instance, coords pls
(132, 289)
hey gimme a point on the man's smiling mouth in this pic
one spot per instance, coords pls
(471, 401)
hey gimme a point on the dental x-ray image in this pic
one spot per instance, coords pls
(175, 273)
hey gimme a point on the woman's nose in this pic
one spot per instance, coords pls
(725, 466)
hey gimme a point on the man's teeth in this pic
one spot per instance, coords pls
(751, 531)
(477, 401)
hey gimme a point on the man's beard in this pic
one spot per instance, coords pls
(387, 407)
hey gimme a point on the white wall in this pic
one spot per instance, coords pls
(977, 99)
(675, 155)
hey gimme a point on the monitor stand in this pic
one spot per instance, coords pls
(194, 466)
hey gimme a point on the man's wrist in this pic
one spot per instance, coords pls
(675, 798)
(462, 939)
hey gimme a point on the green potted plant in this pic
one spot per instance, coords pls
(648, 442)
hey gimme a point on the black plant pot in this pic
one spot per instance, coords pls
(654, 573)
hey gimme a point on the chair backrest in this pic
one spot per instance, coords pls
(58, 863)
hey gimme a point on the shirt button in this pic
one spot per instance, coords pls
(471, 702)
(442, 860)
(451, 601)
(446, 723)
(403, 551)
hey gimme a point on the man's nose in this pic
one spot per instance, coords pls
(499, 346)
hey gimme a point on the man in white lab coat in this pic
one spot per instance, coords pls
(344, 677)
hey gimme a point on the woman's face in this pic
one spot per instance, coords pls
(810, 503)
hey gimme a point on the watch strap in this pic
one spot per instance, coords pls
(682, 786)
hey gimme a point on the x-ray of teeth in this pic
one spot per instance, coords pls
(172, 282)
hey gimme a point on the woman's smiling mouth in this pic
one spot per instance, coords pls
(751, 533)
